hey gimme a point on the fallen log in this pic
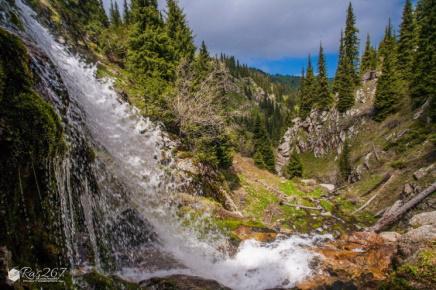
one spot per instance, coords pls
(303, 206)
(392, 216)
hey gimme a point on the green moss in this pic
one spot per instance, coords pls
(31, 136)
(317, 167)
(327, 205)
(419, 273)
(257, 200)
(288, 187)
(99, 281)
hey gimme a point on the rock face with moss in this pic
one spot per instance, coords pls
(30, 138)
(323, 132)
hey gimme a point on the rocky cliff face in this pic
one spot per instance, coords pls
(323, 132)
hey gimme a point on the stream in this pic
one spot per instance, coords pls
(117, 187)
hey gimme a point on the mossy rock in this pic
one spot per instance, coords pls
(31, 136)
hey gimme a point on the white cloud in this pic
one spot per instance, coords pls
(274, 29)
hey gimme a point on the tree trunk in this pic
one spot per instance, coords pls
(392, 216)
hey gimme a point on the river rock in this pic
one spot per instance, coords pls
(329, 187)
(308, 182)
(390, 237)
(425, 218)
(415, 239)
(256, 233)
(182, 282)
(360, 260)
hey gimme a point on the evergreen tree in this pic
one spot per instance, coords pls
(126, 12)
(264, 155)
(340, 70)
(149, 54)
(309, 91)
(388, 90)
(115, 14)
(179, 31)
(347, 77)
(407, 42)
(324, 98)
(423, 86)
(369, 57)
(345, 168)
(294, 168)
(203, 59)
(351, 45)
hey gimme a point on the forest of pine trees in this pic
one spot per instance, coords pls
(404, 61)
(150, 45)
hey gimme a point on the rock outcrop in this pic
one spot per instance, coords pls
(323, 132)
(358, 261)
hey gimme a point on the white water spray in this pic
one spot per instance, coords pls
(130, 148)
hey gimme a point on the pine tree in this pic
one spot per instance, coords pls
(264, 155)
(369, 57)
(337, 84)
(150, 53)
(347, 76)
(388, 90)
(309, 91)
(423, 86)
(351, 45)
(203, 59)
(294, 168)
(115, 14)
(407, 42)
(324, 98)
(345, 168)
(179, 32)
(126, 12)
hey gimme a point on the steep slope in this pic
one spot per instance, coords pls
(391, 160)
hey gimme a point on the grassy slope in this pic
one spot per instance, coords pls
(262, 199)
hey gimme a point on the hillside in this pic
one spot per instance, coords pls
(136, 160)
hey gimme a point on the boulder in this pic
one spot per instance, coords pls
(360, 260)
(182, 282)
(425, 218)
(255, 233)
(415, 239)
(391, 237)
(309, 182)
(423, 172)
(329, 187)
(187, 165)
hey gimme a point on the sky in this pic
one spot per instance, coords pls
(278, 35)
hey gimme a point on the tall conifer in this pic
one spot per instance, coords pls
(347, 76)
(369, 57)
(423, 86)
(203, 59)
(309, 92)
(126, 12)
(323, 96)
(340, 70)
(264, 155)
(179, 31)
(407, 42)
(351, 45)
(115, 14)
(388, 90)
(149, 52)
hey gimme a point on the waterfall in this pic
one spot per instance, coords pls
(116, 188)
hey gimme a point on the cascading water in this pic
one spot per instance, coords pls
(116, 189)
